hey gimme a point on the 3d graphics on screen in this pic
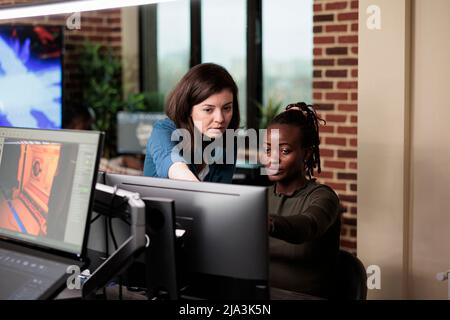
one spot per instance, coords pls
(31, 76)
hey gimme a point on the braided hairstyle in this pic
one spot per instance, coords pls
(305, 117)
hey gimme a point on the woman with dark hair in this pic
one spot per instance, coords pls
(304, 216)
(204, 103)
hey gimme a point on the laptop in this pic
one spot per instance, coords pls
(47, 178)
(134, 129)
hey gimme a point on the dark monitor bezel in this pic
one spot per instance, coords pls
(82, 256)
(131, 182)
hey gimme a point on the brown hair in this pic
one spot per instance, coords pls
(201, 81)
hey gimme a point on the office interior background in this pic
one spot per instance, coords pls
(381, 87)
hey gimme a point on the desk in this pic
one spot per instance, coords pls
(112, 292)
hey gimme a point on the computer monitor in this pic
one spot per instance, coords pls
(225, 249)
(46, 183)
(31, 58)
(134, 129)
(160, 278)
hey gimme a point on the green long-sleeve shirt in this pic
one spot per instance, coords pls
(305, 241)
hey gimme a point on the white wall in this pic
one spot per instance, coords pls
(383, 109)
(430, 171)
(404, 149)
(130, 50)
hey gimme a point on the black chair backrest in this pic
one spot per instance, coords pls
(351, 278)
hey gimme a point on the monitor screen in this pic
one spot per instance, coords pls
(134, 129)
(46, 182)
(225, 248)
(31, 76)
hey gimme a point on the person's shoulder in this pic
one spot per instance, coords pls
(165, 123)
(316, 187)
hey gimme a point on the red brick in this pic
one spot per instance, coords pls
(327, 153)
(323, 85)
(353, 143)
(354, 96)
(348, 62)
(346, 176)
(336, 118)
(323, 40)
(347, 85)
(337, 186)
(325, 175)
(336, 28)
(90, 20)
(323, 17)
(317, 29)
(355, 73)
(336, 96)
(97, 38)
(352, 154)
(355, 27)
(353, 165)
(337, 51)
(114, 38)
(348, 198)
(317, 95)
(317, 73)
(324, 106)
(317, 7)
(346, 219)
(103, 29)
(326, 129)
(336, 73)
(353, 233)
(317, 51)
(354, 119)
(348, 130)
(355, 4)
(355, 50)
(336, 6)
(348, 16)
(334, 164)
(348, 39)
(323, 62)
(113, 20)
(336, 141)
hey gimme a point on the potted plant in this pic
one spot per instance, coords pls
(101, 85)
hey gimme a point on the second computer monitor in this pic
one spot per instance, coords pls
(226, 242)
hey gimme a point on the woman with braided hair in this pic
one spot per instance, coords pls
(304, 216)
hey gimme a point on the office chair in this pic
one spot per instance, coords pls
(350, 278)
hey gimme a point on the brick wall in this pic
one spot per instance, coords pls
(335, 92)
(96, 26)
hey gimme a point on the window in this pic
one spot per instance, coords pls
(287, 50)
(173, 43)
(223, 41)
(266, 45)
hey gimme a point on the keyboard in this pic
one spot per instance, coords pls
(26, 277)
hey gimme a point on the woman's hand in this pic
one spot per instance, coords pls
(180, 171)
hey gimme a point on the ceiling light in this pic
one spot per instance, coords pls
(64, 7)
